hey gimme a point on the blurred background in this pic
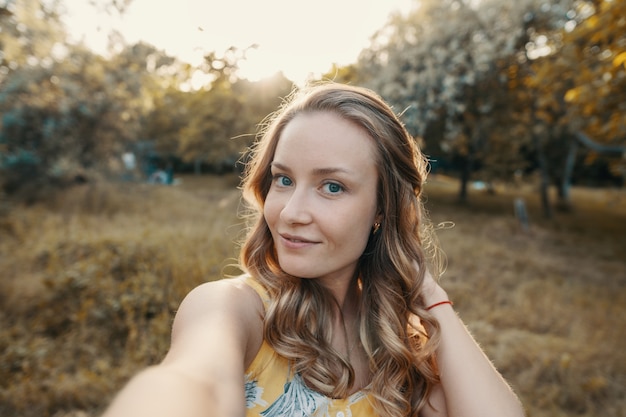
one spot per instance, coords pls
(123, 124)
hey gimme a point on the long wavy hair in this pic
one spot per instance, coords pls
(298, 319)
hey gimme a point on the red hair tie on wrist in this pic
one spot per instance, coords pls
(439, 303)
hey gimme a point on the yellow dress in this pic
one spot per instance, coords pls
(273, 390)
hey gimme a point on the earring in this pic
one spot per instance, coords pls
(376, 227)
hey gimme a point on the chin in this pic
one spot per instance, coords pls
(297, 272)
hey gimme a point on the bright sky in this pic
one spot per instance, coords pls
(296, 36)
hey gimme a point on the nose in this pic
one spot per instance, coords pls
(297, 208)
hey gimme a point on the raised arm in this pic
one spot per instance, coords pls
(470, 384)
(216, 333)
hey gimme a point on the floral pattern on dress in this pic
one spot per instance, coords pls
(253, 393)
(297, 400)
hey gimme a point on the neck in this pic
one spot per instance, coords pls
(346, 317)
(346, 338)
(345, 294)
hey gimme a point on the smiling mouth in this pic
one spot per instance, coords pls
(296, 239)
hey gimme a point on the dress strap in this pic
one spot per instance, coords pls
(256, 286)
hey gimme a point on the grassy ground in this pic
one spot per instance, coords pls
(89, 283)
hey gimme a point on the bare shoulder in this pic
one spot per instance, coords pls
(218, 319)
(232, 296)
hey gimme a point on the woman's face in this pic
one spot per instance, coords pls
(322, 204)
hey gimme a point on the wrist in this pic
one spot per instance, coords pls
(434, 295)
(440, 303)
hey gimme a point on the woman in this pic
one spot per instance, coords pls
(337, 314)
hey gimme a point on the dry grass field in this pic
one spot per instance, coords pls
(90, 280)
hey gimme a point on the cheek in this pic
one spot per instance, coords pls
(366, 225)
(271, 210)
(356, 228)
(365, 229)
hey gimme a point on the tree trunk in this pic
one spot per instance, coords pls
(466, 173)
(544, 181)
(565, 201)
(543, 167)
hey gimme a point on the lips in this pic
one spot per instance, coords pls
(296, 242)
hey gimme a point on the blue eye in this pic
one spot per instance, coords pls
(282, 180)
(333, 188)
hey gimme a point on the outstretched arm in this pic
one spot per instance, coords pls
(470, 384)
(216, 332)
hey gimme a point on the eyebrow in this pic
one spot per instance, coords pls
(317, 171)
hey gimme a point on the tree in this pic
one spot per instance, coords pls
(72, 117)
(465, 72)
(580, 86)
(64, 109)
(446, 63)
(216, 123)
(31, 35)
